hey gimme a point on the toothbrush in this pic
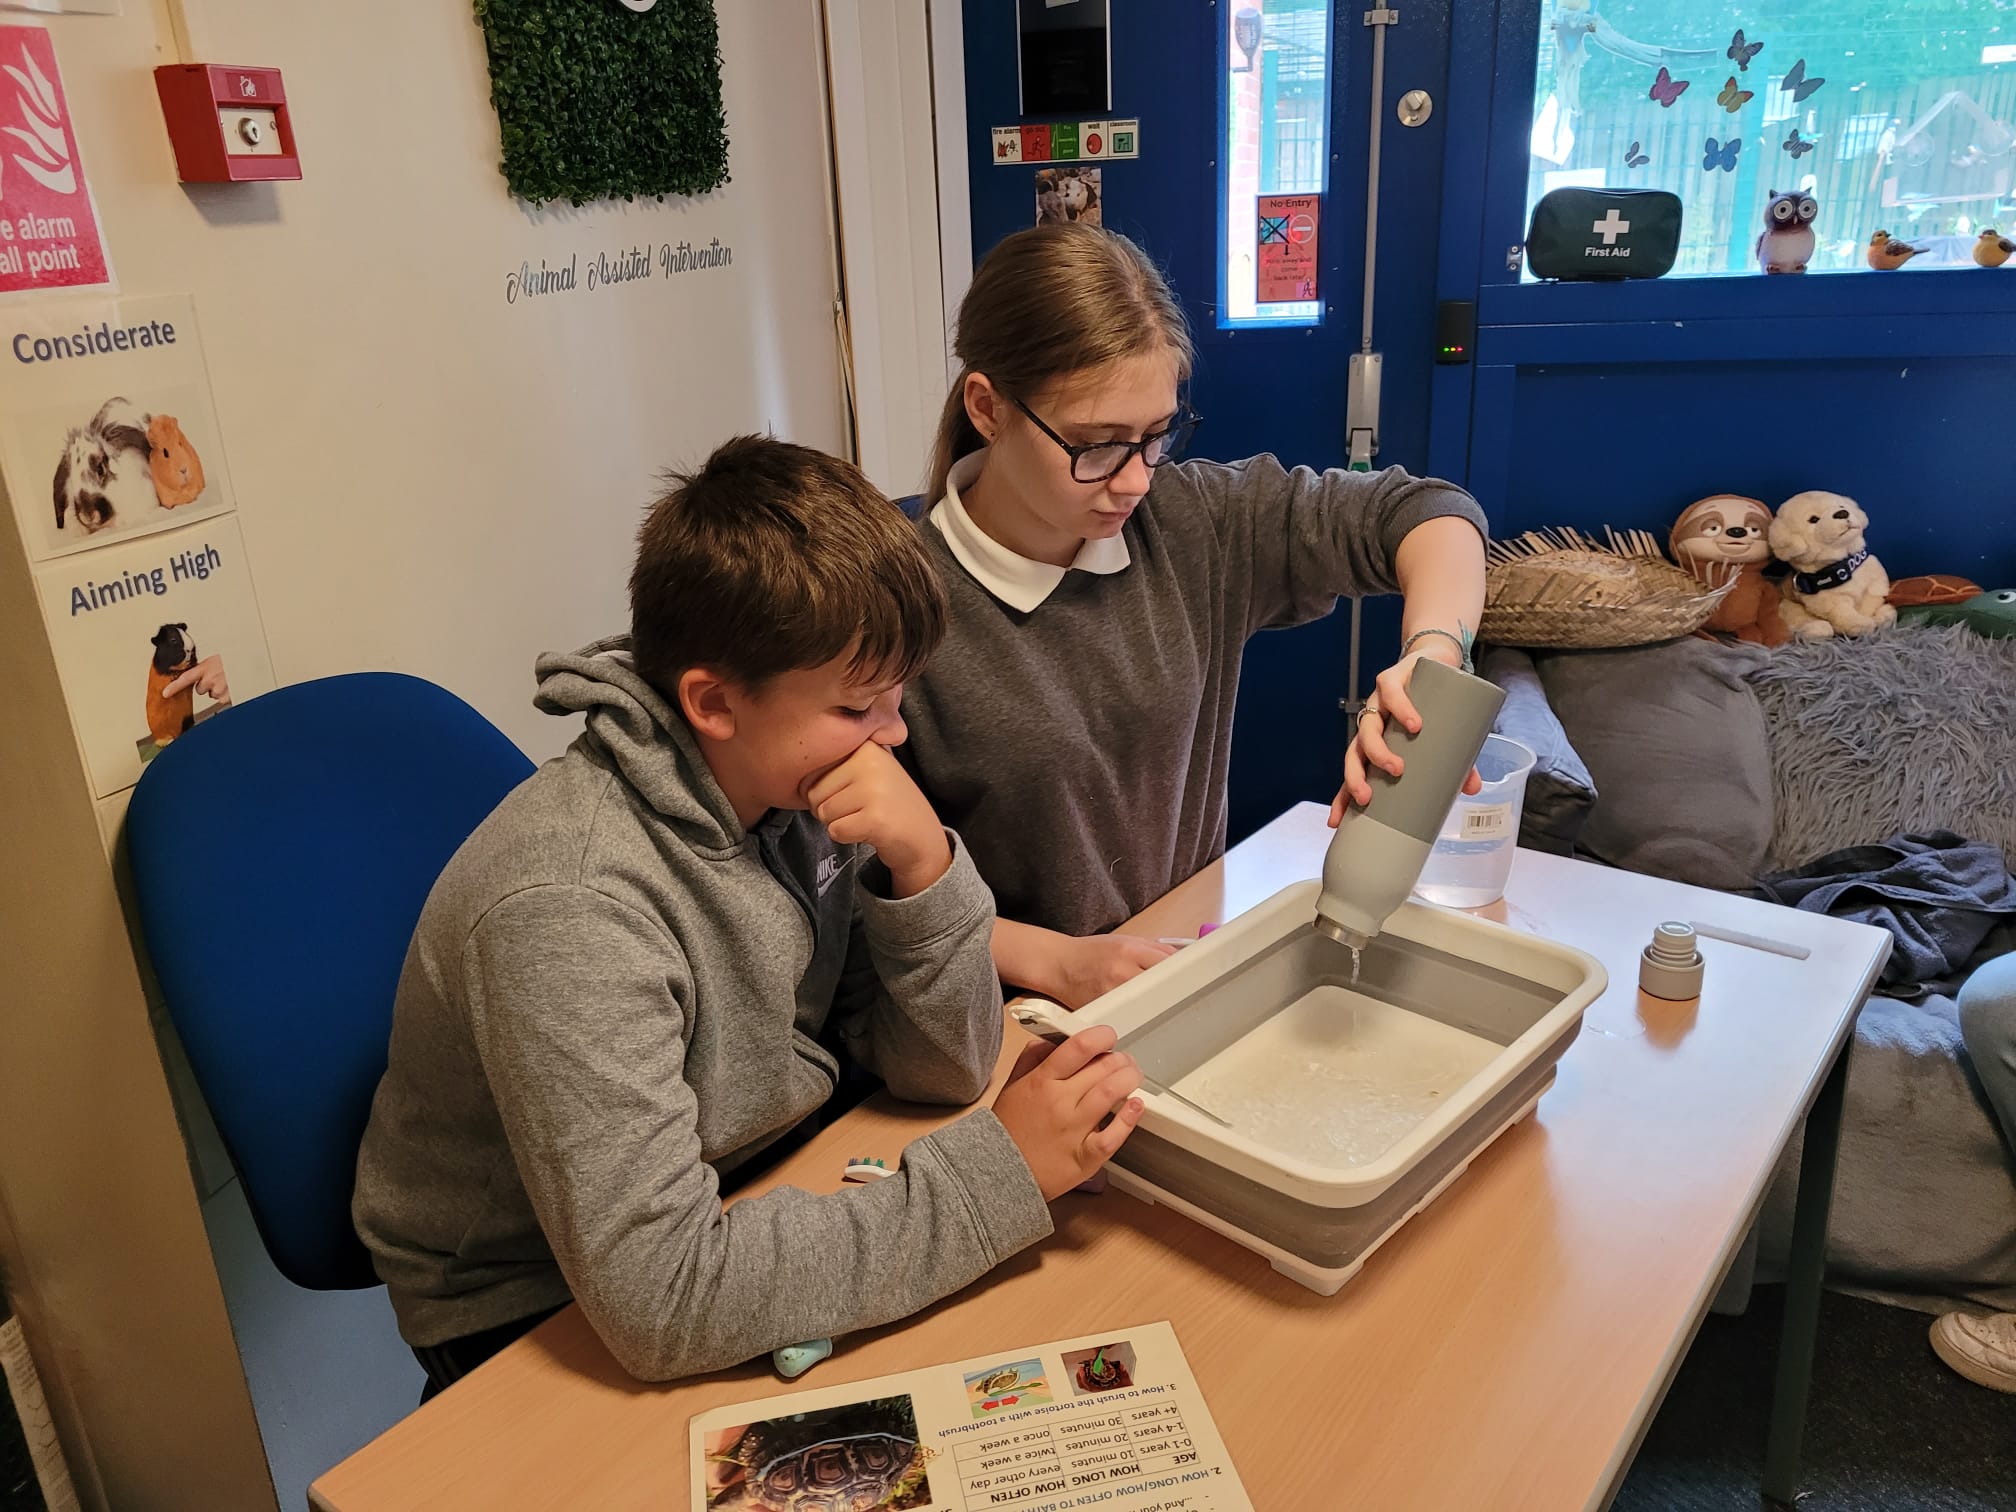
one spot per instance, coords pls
(1043, 1029)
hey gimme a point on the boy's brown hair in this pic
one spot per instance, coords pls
(774, 557)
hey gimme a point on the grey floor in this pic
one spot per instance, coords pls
(327, 1369)
(1889, 1429)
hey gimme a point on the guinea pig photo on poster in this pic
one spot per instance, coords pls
(123, 469)
(104, 474)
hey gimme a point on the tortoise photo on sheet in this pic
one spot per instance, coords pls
(858, 1458)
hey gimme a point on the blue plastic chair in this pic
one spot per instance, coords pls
(281, 853)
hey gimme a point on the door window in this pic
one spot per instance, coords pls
(1274, 118)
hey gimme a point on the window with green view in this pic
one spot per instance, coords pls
(1896, 115)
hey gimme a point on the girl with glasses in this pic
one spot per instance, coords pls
(1075, 725)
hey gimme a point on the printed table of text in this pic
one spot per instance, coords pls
(1096, 1446)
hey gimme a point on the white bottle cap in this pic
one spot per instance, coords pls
(1670, 966)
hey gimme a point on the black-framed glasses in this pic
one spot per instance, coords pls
(1097, 461)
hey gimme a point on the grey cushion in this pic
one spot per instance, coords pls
(1560, 794)
(1674, 739)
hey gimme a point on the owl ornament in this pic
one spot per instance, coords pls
(1787, 243)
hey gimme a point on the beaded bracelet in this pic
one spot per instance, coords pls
(1463, 642)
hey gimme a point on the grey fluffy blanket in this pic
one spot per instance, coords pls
(1908, 730)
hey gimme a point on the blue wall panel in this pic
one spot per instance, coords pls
(1923, 445)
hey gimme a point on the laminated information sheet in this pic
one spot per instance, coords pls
(1114, 1421)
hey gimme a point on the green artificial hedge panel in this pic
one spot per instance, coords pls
(597, 101)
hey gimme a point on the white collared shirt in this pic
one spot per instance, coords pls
(1018, 581)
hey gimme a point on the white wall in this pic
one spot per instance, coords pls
(430, 479)
(885, 149)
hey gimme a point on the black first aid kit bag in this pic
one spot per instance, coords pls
(1604, 233)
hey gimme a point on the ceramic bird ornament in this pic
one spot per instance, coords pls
(1887, 253)
(1787, 243)
(1992, 248)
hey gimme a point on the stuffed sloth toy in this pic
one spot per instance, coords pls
(1728, 535)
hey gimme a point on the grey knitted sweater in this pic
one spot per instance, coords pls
(1081, 749)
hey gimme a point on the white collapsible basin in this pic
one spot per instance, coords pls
(1352, 1107)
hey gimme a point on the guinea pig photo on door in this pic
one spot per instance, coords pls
(1065, 195)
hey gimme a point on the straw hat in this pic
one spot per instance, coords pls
(1561, 589)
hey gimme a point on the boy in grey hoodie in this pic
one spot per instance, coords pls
(650, 963)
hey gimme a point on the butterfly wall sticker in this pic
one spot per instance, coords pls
(1733, 99)
(1667, 90)
(1797, 85)
(1635, 156)
(1797, 145)
(1741, 51)
(1579, 26)
(1721, 155)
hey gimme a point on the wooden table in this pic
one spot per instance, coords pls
(1505, 1350)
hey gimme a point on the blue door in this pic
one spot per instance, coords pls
(1233, 99)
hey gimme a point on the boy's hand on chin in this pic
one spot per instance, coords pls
(869, 799)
